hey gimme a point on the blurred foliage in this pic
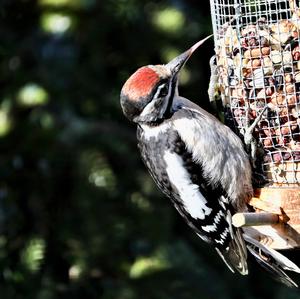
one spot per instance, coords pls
(79, 215)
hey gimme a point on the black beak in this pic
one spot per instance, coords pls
(175, 65)
(178, 62)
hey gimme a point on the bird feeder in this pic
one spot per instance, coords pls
(257, 46)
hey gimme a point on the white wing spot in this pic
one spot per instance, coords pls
(193, 200)
(223, 236)
(213, 227)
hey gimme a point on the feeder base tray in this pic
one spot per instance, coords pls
(284, 202)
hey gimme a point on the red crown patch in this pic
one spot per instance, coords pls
(140, 83)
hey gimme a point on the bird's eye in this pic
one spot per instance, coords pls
(163, 90)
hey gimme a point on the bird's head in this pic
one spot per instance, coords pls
(147, 95)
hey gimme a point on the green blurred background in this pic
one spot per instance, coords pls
(79, 215)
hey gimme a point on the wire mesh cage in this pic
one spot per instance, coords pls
(257, 44)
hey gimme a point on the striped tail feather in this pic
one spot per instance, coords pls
(235, 255)
(272, 261)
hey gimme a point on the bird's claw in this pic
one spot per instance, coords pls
(250, 141)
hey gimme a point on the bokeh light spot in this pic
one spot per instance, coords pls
(32, 95)
(147, 265)
(67, 3)
(56, 23)
(185, 76)
(75, 271)
(99, 172)
(169, 20)
(5, 123)
(33, 254)
(140, 201)
(169, 53)
(47, 121)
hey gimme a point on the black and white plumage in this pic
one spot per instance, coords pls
(198, 162)
(197, 189)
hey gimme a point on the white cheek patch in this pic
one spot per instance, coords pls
(157, 107)
(154, 110)
(149, 108)
(193, 201)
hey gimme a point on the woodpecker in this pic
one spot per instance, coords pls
(197, 162)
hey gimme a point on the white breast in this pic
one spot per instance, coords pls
(153, 132)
